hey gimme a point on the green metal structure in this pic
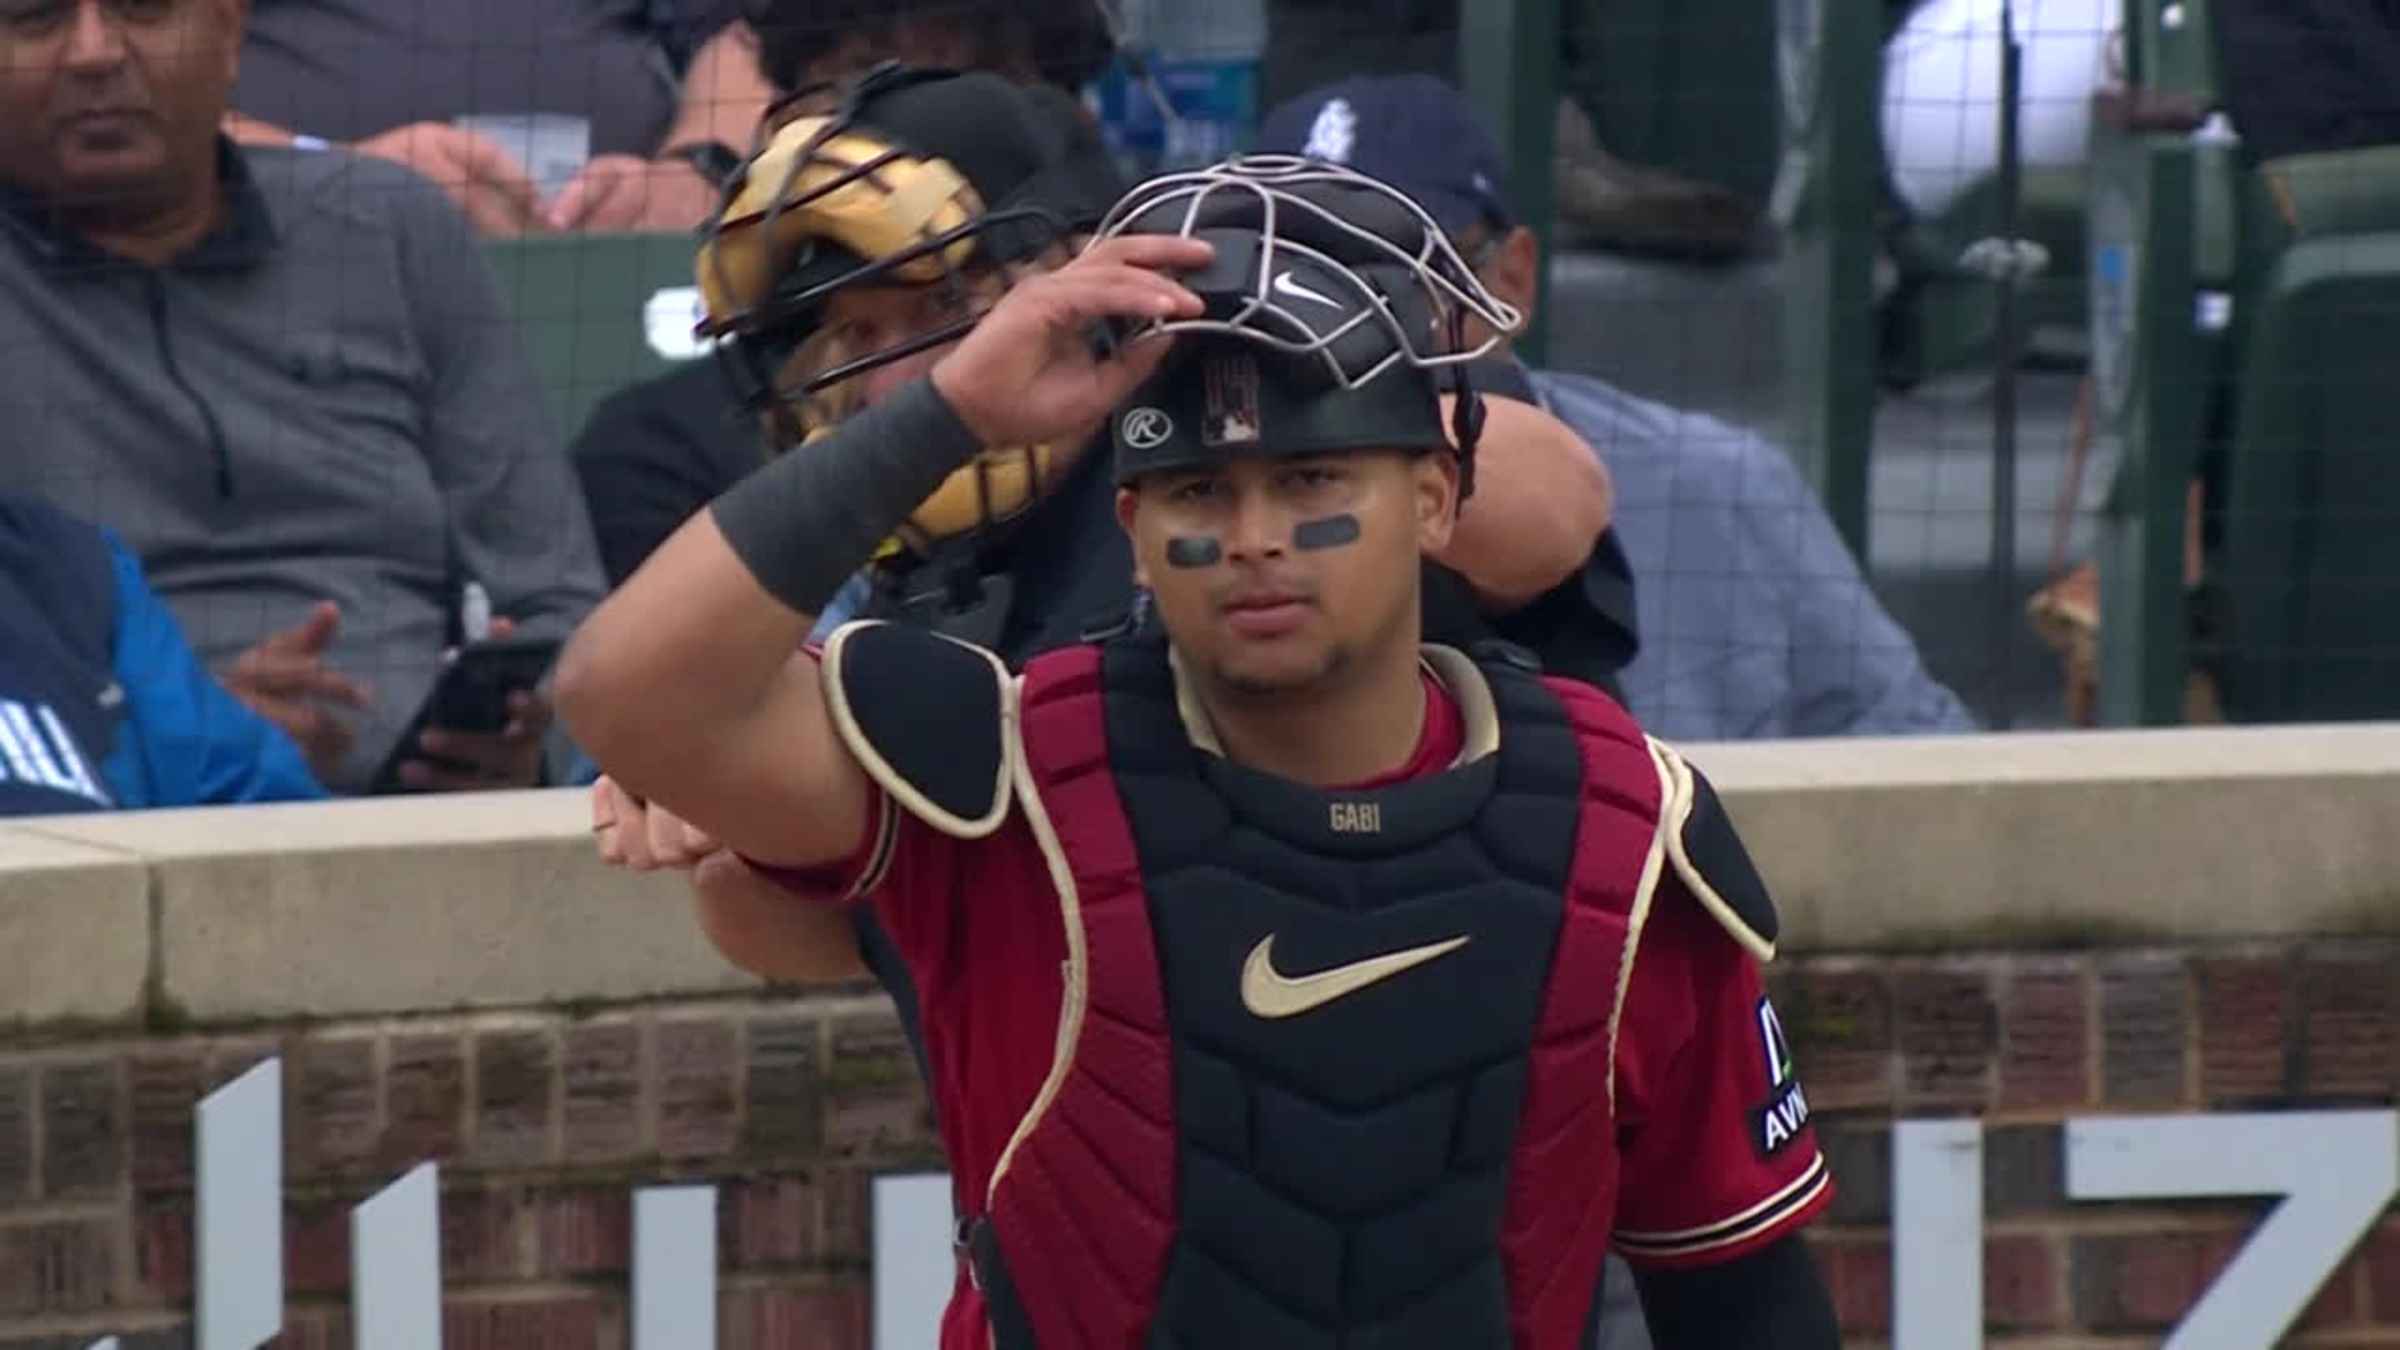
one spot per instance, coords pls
(2310, 495)
(2151, 366)
(2162, 231)
(1831, 59)
(2249, 315)
(584, 305)
(1509, 59)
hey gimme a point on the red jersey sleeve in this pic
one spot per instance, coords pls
(977, 924)
(862, 873)
(1719, 1158)
(869, 864)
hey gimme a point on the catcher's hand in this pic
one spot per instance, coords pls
(759, 923)
(1029, 372)
(633, 834)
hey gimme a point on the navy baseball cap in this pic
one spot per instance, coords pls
(1415, 132)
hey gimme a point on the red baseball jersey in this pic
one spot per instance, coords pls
(1718, 1156)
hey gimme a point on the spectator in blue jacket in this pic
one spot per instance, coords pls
(1754, 619)
(102, 703)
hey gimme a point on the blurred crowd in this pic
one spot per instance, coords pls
(277, 451)
(277, 454)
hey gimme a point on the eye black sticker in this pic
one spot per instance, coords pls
(1332, 532)
(1194, 550)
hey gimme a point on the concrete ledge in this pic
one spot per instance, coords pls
(354, 908)
(2107, 839)
(74, 931)
(366, 908)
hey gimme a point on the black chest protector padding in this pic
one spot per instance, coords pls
(1342, 1170)
(924, 715)
(1713, 848)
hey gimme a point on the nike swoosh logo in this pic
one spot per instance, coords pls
(1286, 285)
(1268, 993)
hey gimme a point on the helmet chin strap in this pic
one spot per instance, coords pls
(1466, 413)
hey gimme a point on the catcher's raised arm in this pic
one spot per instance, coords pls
(682, 684)
(848, 262)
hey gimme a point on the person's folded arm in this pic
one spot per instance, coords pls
(1541, 501)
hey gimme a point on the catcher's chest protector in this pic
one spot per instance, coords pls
(1336, 1069)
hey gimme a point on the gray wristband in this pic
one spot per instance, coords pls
(807, 521)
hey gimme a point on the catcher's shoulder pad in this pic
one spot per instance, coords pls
(928, 717)
(1707, 854)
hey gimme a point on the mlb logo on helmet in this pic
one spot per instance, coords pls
(1231, 380)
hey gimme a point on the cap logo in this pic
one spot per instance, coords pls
(1146, 428)
(1232, 390)
(1334, 135)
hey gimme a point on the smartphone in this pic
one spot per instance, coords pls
(472, 695)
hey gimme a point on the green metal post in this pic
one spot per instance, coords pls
(2174, 48)
(2142, 642)
(1508, 58)
(1832, 79)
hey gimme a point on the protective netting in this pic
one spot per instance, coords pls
(453, 263)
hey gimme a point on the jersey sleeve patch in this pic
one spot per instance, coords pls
(928, 718)
(1780, 1120)
(1709, 856)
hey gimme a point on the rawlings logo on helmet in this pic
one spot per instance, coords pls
(1145, 428)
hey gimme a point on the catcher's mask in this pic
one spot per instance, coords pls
(903, 178)
(1326, 281)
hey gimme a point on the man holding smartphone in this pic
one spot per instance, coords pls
(484, 721)
(284, 378)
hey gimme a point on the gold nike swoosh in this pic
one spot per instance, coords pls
(1269, 993)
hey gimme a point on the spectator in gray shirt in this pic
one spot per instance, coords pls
(1754, 619)
(284, 378)
(667, 89)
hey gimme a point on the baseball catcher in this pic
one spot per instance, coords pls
(1284, 979)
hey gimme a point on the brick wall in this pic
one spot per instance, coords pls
(2027, 1041)
(543, 1125)
(544, 1122)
